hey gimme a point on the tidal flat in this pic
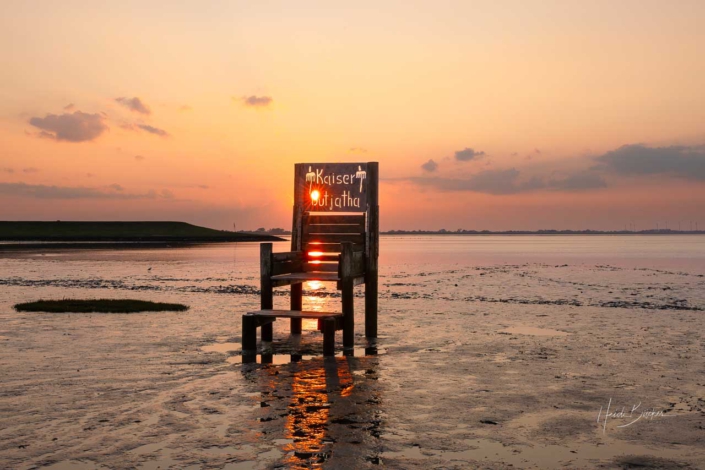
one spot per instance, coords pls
(490, 354)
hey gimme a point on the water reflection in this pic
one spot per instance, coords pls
(317, 407)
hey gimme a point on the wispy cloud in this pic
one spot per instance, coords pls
(8, 170)
(139, 158)
(74, 127)
(679, 161)
(69, 107)
(468, 154)
(577, 182)
(430, 166)
(510, 181)
(134, 104)
(153, 130)
(185, 108)
(30, 170)
(357, 150)
(254, 101)
(39, 191)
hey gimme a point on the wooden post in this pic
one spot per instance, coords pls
(371, 275)
(296, 226)
(267, 293)
(346, 281)
(267, 332)
(296, 233)
(329, 337)
(265, 269)
(249, 333)
(296, 304)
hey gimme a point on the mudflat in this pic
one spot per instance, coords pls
(483, 365)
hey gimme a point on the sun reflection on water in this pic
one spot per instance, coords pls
(314, 303)
(309, 410)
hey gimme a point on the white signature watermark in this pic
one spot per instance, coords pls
(625, 414)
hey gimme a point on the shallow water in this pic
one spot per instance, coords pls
(493, 350)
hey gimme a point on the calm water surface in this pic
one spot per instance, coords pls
(673, 251)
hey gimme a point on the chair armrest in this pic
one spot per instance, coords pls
(287, 262)
(352, 263)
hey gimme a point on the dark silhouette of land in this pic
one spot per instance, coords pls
(148, 232)
(98, 306)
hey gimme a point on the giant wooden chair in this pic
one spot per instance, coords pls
(335, 238)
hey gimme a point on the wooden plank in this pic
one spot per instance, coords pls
(342, 187)
(283, 282)
(315, 219)
(287, 256)
(320, 266)
(264, 321)
(356, 282)
(294, 314)
(301, 277)
(333, 228)
(358, 263)
(335, 238)
(329, 247)
(286, 267)
(321, 256)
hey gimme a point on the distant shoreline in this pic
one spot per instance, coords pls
(548, 232)
(14, 245)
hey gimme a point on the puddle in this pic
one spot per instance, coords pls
(280, 359)
(221, 347)
(247, 465)
(530, 330)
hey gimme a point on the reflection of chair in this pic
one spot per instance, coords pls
(336, 247)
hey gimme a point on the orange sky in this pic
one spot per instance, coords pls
(553, 114)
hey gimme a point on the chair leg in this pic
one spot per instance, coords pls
(267, 331)
(249, 333)
(348, 315)
(296, 304)
(371, 289)
(329, 337)
(266, 288)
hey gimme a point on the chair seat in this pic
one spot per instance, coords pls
(295, 314)
(296, 278)
(314, 276)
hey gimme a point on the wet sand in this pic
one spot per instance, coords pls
(476, 367)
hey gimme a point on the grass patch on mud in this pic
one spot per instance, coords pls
(98, 306)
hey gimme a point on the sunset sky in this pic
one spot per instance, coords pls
(483, 115)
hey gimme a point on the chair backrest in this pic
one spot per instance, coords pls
(333, 204)
(322, 236)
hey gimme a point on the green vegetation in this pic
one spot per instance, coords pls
(98, 306)
(121, 232)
